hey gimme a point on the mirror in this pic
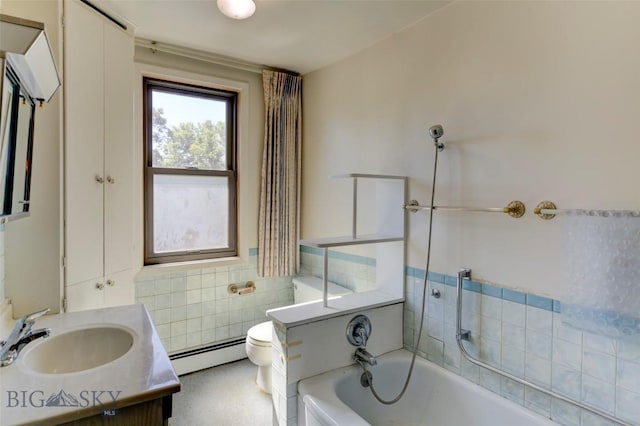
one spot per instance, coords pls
(16, 131)
(28, 75)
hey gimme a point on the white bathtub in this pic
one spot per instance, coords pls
(435, 397)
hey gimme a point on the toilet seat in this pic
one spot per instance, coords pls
(260, 334)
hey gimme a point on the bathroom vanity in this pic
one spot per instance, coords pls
(104, 366)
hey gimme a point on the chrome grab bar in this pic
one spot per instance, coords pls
(466, 274)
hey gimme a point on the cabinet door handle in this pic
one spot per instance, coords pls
(111, 283)
(99, 286)
(99, 179)
(110, 179)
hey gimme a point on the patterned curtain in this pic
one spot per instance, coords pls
(279, 223)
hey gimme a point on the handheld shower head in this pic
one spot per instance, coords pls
(436, 133)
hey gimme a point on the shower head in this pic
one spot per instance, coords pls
(436, 133)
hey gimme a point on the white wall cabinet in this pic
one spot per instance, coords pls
(98, 92)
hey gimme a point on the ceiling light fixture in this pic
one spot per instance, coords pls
(237, 9)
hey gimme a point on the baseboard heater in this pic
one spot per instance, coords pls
(208, 348)
(208, 356)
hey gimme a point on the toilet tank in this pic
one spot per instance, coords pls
(309, 289)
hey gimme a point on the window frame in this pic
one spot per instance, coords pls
(231, 100)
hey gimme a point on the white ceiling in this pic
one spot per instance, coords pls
(298, 35)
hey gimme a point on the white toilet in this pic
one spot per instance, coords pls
(258, 343)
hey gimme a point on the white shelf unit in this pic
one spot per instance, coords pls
(391, 222)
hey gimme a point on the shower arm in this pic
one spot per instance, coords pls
(515, 209)
(465, 274)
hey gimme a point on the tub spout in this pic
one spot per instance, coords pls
(363, 356)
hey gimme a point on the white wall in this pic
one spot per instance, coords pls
(32, 245)
(539, 101)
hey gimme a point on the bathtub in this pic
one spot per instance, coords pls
(434, 397)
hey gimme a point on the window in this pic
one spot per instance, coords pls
(190, 176)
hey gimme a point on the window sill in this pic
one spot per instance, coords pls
(166, 268)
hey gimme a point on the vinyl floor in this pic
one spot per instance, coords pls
(226, 395)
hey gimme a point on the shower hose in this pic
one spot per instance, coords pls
(424, 286)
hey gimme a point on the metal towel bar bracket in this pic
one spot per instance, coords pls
(465, 274)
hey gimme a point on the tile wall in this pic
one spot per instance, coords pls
(193, 308)
(524, 335)
(357, 273)
(518, 332)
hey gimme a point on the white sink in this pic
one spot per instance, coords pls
(78, 350)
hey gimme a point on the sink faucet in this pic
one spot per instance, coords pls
(362, 356)
(21, 336)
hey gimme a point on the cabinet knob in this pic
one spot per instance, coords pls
(111, 283)
(99, 179)
(110, 179)
(99, 286)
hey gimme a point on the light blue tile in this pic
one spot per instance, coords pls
(438, 287)
(513, 313)
(178, 283)
(409, 271)
(449, 296)
(599, 343)
(513, 336)
(162, 286)
(567, 354)
(491, 290)
(253, 251)
(490, 351)
(513, 391)
(436, 277)
(598, 365)
(537, 401)
(513, 360)
(564, 413)
(490, 380)
(491, 307)
(451, 280)
(490, 328)
(589, 419)
(311, 250)
(564, 331)
(145, 289)
(470, 371)
(450, 334)
(598, 393)
(538, 370)
(628, 375)
(539, 320)
(162, 301)
(472, 286)
(452, 357)
(539, 344)
(435, 351)
(419, 273)
(514, 296)
(540, 302)
(566, 381)
(627, 405)
(557, 306)
(435, 329)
